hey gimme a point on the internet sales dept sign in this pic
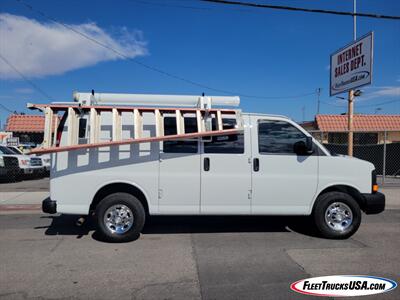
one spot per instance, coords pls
(351, 66)
(343, 285)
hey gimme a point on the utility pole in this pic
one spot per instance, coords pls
(351, 94)
(318, 101)
(303, 110)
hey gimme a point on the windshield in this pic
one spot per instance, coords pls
(322, 146)
(15, 151)
(5, 150)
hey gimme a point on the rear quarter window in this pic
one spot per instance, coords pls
(227, 144)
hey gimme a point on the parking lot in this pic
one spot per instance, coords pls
(48, 257)
(32, 185)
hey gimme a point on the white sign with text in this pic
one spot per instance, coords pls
(351, 66)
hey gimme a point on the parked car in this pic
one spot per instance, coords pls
(45, 158)
(9, 168)
(24, 148)
(27, 165)
(46, 161)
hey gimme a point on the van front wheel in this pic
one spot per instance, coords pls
(120, 217)
(337, 215)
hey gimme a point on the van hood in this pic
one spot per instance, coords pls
(355, 160)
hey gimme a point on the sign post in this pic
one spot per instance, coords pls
(350, 123)
(350, 137)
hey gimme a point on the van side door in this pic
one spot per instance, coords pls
(179, 171)
(226, 172)
(283, 182)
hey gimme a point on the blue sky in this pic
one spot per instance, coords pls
(247, 51)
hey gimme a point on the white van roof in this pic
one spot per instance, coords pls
(266, 115)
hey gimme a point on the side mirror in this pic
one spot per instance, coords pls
(310, 145)
(304, 148)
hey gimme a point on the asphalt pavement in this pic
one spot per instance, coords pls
(48, 257)
(31, 185)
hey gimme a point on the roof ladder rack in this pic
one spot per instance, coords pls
(203, 121)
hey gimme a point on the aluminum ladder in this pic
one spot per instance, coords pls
(74, 111)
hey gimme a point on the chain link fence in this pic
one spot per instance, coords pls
(380, 148)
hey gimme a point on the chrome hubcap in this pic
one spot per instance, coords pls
(338, 216)
(118, 219)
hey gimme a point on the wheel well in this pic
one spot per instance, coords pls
(119, 187)
(348, 190)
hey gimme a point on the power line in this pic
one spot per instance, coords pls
(6, 108)
(26, 79)
(162, 4)
(194, 83)
(380, 104)
(323, 11)
(194, 8)
(362, 105)
(332, 104)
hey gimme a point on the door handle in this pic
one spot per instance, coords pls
(206, 164)
(256, 164)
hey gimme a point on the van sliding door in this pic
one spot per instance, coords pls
(226, 172)
(179, 174)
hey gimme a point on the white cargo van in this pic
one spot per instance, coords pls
(272, 167)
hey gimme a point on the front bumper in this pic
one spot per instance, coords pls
(38, 170)
(374, 203)
(49, 206)
(26, 171)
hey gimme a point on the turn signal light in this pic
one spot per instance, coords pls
(375, 188)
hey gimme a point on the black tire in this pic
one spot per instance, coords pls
(320, 208)
(138, 213)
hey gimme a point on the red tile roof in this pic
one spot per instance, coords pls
(308, 124)
(360, 122)
(25, 123)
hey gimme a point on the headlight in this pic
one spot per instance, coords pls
(1, 162)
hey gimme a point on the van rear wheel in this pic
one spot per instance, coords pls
(120, 217)
(337, 215)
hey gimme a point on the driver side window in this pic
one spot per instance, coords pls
(278, 137)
